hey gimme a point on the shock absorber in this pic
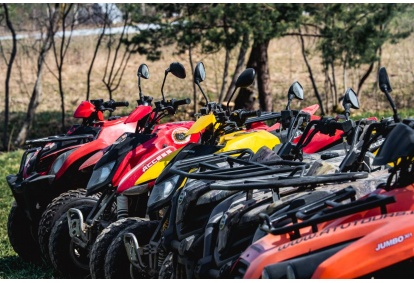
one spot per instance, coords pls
(122, 206)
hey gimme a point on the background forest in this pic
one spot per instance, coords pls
(53, 56)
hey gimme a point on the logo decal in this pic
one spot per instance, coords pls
(178, 136)
(393, 241)
(156, 159)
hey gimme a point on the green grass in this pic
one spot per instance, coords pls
(11, 266)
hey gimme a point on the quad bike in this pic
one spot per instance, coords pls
(149, 143)
(329, 222)
(42, 187)
(37, 182)
(148, 255)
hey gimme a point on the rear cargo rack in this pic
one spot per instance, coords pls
(332, 210)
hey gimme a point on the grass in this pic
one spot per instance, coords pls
(11, 266)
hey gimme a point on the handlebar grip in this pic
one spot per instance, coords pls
(252, 113)
(120, 104)
(176, 103)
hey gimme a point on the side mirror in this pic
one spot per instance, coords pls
(246, 78)
(350, 101)
(383, 80)
(177, 69)
(199, 73)
(199, 76)
(385, 87)
(295, 91)
(143, 71)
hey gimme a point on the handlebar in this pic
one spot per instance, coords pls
(176, 103)
(247, 114)
(118, 104)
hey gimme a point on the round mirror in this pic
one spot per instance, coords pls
(351, 98)
(143, 71)
(297, 90)
(178, 70)
(246, 78)
(199, 73)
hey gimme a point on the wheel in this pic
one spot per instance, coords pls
(102, 243)
(21, 236)
(68, 258)
(60, 205)
(117, 265)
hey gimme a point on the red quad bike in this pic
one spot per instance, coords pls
(69, 247)
(48, 167)
(368, 238)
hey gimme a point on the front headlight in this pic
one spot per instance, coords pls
(163, 190)
(57, 164)
(100, 175)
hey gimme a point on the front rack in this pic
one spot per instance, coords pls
(209, 169)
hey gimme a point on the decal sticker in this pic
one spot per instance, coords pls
(392, 242)
(156, 159)
(178, 136)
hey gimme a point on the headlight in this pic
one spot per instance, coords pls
(57, 164)
(100, 175)
(163, 190)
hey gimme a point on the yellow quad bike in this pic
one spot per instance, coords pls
(221, 131)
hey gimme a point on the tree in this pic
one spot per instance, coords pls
(47, 26)
(351, 36)
(60, 50)
(9, 64)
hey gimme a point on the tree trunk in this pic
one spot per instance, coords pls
(34, 102)
(259, 60)
(46, 44)
(263, 78)
(190, 57)
(5, 138)
(245, 99)
(364, 77)
(225, 73)
(315, 88)
(239, 66)
(98, 44)
(335, 92)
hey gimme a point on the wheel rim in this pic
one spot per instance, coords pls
(79, 256)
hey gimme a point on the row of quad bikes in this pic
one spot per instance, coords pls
(235, 194)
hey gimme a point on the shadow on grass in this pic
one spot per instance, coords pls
(13, 267)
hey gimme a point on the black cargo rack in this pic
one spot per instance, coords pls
(250, 168)
(332, 211)
(290, 181)
(44, 141)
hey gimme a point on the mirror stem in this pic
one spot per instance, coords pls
(202, 92)
(139, 87)
(163, 82)
(394, 109)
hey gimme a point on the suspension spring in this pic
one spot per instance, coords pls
(122, 206)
